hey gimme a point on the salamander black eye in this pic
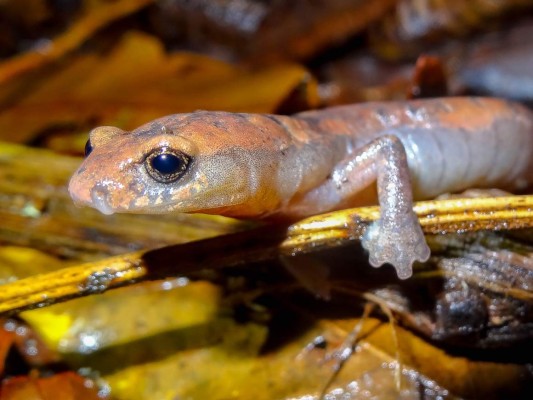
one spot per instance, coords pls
(88, 148)
(166, 165)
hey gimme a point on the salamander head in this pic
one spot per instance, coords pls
(183, 163)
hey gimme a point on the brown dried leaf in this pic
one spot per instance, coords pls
(138, 82)
(260, 32)
(186, 342)
(64, 386)
(416, 26)
(7, 340)
(70, 40)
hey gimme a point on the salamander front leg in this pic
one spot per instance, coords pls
(396, 237)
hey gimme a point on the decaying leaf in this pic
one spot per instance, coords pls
(415, 26)
(31, 370)
(260, 32)
(494, 63)
(67, 386)
(96, 90)
(73, 38)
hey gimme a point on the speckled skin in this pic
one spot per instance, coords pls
(266, 166)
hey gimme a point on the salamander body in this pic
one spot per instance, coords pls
(273, 166)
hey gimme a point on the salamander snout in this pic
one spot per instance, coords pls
(97, 195)
(100, 199)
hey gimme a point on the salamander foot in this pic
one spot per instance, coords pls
(399, 243)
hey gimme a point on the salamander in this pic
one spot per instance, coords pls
(268, 166)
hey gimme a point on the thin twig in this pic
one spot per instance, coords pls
(309, 235)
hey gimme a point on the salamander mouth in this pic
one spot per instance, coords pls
(100, 201)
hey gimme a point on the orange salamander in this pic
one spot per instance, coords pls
(273, 166)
